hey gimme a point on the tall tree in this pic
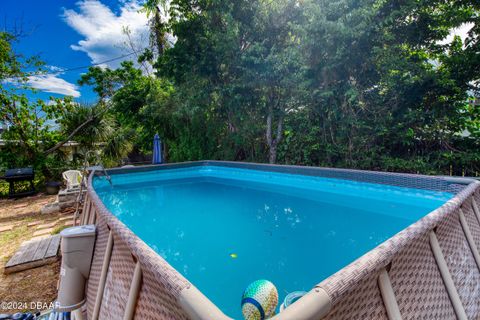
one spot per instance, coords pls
(244, 56)
(156, 11)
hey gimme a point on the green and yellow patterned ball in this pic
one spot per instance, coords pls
(259, 300)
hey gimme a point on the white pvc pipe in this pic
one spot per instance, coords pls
(93, 215)
(133, 294)
(447, 277)
(388, 296)
(75, 216)
(86, 213)
(468, 235)
(103, 276)
(475, 209)
(77, 314)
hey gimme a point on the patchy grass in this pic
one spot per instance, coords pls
(32, 286)
(21, 209)
(10, 236)
(59, 229)
(10, 240)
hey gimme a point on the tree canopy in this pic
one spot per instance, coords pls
(37, 129)
(370, 84)
(365, 84)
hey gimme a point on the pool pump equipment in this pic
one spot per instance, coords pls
(77, 250)
(291, 298)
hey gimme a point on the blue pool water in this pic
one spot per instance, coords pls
(223, 228)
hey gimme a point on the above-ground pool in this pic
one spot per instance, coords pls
(223, 227)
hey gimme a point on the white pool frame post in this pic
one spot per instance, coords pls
(134, 291)
(103, 276)
(475, 209)
(388, 296)
(470, 240)
(92, 217)
(86, 211)
(447, 277)
(77, 314)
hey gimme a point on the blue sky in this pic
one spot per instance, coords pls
(70, 34)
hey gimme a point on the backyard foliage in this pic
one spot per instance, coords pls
(37, 130)
(344, 83)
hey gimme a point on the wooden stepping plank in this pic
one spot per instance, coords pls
(18, 206)
(47, 225)
(44, 202)
(17, 256)
(34, 223)
(6, 228)
(39, 238)
(42, 249)
(42, 232)
(66, 218)
(53, 246)
(33, 254)
(30, 252)
(22, 253)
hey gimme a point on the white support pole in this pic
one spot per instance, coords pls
(447, 277)
(86, 213)
(475, 209)
(92, 216)
(103, 277)
(77, 314)
(133, 294)
(388, 296)
(470, 240)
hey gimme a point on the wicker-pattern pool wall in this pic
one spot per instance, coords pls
(411, 280)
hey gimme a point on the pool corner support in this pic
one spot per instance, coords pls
(314, 305)
(198, 306)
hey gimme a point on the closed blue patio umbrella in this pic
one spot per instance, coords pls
(157, 150)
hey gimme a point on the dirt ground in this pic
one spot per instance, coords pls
(27, 290)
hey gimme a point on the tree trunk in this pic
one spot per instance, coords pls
(272, 155)
(159, 32)
(273, 142)
(70, 136)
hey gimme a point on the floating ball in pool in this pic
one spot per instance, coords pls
(259, 300)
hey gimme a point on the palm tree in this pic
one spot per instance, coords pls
(158, 28)
(102, 133)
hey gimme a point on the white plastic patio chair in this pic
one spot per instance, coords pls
(73, 179)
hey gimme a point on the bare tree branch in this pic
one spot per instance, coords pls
(70, 136)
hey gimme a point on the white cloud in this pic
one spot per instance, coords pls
(52, 83)
(102, 29)
(461, 31)
(55, 69)
(48, 82)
